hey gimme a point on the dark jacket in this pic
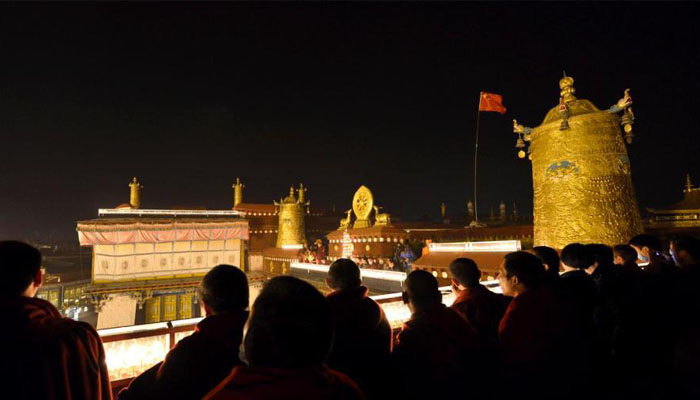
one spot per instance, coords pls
(435, 352)
(483, 309)
(363, 339)
(196, 364)
(251, 383)
(579, 292)
(46, 356)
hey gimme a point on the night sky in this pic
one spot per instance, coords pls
(190, 96)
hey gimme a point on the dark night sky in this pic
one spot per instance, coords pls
(189, 96)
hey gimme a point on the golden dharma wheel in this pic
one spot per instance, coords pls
(582, 184)
(362, 203)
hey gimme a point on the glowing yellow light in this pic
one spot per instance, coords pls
(521, 154)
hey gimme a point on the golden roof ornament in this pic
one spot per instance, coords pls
(566, 84)
(688, 184)
(237, 192)
(291, 220)
(581, 172)
(135, 193)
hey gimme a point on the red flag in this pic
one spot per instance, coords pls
(491, 102)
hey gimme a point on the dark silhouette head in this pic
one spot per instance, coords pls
(20, 264)
(224, 288)
(549, 257)
(576, 255)
(601, 254)
(422, 289)
(291, 326)
(465, 272)
(627, 254)
(343, 274)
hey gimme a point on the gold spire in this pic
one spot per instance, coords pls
(566, 84)
(688, 184)
(302, 193)
(237, 192)
(135, 196)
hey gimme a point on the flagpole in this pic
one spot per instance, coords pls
(476, 152)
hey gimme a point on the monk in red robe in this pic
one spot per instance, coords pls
(202, 360)
(289, 336)
(362, 332)
(475, 303)
(437, 353)
(44, 356)
(543, 353)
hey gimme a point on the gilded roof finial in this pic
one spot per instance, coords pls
(566, 84)
(688, 184)
(135, 195)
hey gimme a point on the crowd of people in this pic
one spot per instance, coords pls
(589, 322)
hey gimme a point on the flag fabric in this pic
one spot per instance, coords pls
(491, 102)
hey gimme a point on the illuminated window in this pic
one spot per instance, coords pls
(169, 307)
(163, 262)
(181, 261)
(153, 310)
(53, 297)
(185, 309)
(144, 263)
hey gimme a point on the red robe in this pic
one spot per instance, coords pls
(435, 352)
(483, 309)
(250, 383)
(46, 356)
(539, 340)
(362, 339)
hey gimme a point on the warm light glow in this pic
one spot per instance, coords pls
(292, 246)
(144, 211)
(491, 246)
(366, 272)
(521, 154)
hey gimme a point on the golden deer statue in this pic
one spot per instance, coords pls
(345, 222)
(381, 218)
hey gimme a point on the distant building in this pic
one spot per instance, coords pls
(147, 264)
(682, 217)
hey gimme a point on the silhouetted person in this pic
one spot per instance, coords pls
(437, 351)
(200, 361)
(608, 306)
(44, 356)
(544, 357)
(685, 251)
(580, 289)
(552, 265)
(362, 332)
(482, 308)
(660, 307)
(290, 333)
